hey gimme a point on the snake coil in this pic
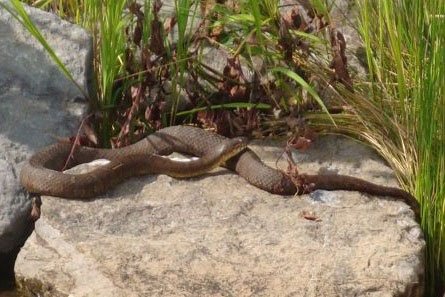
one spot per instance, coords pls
(41, 173)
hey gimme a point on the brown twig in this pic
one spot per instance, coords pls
(76, 142)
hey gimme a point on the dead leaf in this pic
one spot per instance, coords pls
(310, 215)
(339, 61)
(157, 41)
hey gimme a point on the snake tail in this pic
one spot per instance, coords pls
(333, 182)
(41, 173)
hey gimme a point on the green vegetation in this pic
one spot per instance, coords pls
(400, 111)
(405, 51)
(135, 54)
(142, 74)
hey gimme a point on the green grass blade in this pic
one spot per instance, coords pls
(232, 105)
(298, 79)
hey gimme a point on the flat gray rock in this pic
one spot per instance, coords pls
(219, 236)
(37, 104)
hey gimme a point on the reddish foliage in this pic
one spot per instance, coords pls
(339, 61)
(233, 87)
(141, 107)
(156, 41)
(230, 123)
(303, 136)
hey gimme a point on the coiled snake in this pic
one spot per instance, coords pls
(41, 173)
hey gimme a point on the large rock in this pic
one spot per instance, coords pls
(219, 236)
(37, 104)
(15, 211)
(216, 235)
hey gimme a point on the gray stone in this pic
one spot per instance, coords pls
(15, 209)
(26, 65)
(219, 236)
(37, 104)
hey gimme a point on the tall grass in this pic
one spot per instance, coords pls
(185, 18)
(110, 44)
(255, 27)
(401, 111)
(406, 55)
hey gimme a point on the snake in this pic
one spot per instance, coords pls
(41, 174)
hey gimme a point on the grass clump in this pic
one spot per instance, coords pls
(406, 58)
(400, 110)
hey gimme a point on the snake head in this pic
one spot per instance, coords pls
(232, 147)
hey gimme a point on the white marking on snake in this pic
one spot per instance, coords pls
(181, 159)
(99, 162)
(87, 167)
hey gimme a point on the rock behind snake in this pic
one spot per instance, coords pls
(41, 174)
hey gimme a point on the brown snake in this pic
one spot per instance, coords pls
(41, 173)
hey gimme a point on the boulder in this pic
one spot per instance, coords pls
(37, 105)
(214, 235)
(219, 236)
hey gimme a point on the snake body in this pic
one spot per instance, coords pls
(41, 173)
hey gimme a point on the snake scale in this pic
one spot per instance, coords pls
(41, 173)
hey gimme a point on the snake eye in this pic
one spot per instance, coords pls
(240, 140)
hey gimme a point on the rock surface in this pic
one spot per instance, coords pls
(212, 236)
(219, 236)
(37, 104)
